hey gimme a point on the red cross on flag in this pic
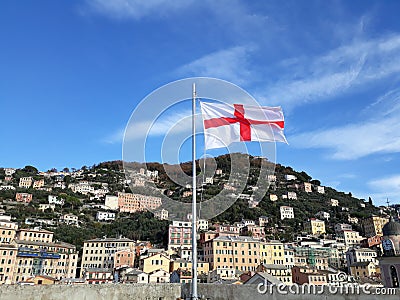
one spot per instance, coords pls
(228, 123)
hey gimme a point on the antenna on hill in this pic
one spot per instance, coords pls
(387, 201)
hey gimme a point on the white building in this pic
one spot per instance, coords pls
(271, 178)
(360, 255)
(9, 171)
(342, 226)
(292, 195)
(334, 202)
(286, 212)
(307, 187)
(289, 177)
(111, 202)
(25, 182)
(82, 187)
(323, 215)
(69, 219)
(105, 216)
(54, 200)
(209, 180)
(353, 220)
(139, 181)
(161, 214)
(273, 197)
(321, 189)
(202, 224)
(44, 206)
(351, 238)
(6, 188)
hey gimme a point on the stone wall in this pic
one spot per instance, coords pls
(92, 292)
(159, 291)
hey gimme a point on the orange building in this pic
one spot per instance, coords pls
(23, 197)
(124, 258)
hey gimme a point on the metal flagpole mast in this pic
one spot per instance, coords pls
(194, 211)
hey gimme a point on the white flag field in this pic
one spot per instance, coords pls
(228, 123)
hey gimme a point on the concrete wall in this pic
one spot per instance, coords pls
(241, 292)
(161, 291)
(92, 292)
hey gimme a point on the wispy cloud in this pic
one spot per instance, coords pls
(386, 184)
(323, 77)
(229, 64)
(137, 9)
(172, 124)
(384, 188)
(380, 133)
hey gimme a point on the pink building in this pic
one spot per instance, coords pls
(23, 197)
(124, 258)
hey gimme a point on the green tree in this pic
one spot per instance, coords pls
(30, 170)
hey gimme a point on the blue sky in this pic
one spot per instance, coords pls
(72, 72)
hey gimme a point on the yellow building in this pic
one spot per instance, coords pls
(34, 235)
(373, 225)
(7, 234)
(8, 254)
(154, 263)
(315, 226)
(272, 253)
(202, 267)
(99, 253)
(58, 260)
(232, 252)
(44, 280)
(38, 183)
(365, 269)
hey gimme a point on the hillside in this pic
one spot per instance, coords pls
(109, 177)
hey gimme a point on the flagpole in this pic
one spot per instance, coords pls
(194, 211)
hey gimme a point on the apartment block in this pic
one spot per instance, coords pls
(272, 253)
(23, 197)
(179, 235)
(154, 263)
(286, 212)
(373, 225)
(161, 214)
(99, 252)
(350, 238)
(37, 184)
(232, 252)
(315, 226)
(355, 255)
(25, 182)
(105, 216)
(128, 202)
(7, 262)
(58, 260)
(124, 258)
(7, 234)
(34, 235)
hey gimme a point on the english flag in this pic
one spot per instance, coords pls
(228, 123)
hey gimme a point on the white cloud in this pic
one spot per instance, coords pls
(171, 124)
(391, 183)
(383, 189)
(380, 133)
(342, 69)
(355, 140)
(228, 64)
(137, 9)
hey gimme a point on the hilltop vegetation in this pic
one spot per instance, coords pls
(143, 226)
